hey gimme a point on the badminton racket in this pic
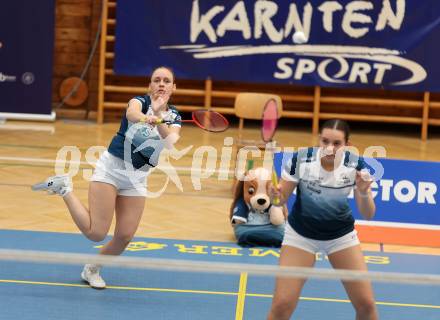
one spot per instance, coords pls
(268, 129)
(205, 119)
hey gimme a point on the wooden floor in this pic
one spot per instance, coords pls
(28, 152)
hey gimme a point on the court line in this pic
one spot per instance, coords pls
(155, 173)
(241, 296)
(183, 194)
(58, 284)
(28, 127)
(82, 149)
(19, 146)
(90, 164)
(7, 164)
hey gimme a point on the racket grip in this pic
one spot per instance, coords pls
(275, 200)
(39, 186)
(160, 121)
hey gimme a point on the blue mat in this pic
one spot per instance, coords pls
(40, 291)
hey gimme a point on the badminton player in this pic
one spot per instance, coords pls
(118, 184)
(321, 219)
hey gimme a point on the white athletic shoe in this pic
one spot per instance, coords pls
(90, 274)
(60, 185)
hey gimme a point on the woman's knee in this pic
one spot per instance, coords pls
(365, 307)
(282, 308)
(96, 235)
(123, 238)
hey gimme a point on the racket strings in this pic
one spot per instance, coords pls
(210, 120)
(269, 120)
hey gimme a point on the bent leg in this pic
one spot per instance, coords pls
(128, 215)
(360, 292)
(94, 222)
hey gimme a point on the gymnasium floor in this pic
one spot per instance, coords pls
(36, 221)
(28, 153)
(34, 291)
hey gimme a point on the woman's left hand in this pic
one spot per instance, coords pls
(363, 181)
(158, 102)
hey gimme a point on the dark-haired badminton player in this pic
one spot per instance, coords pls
(321, 219)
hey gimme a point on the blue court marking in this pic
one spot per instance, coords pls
(38, 291)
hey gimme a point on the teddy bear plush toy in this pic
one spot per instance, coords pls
(255, 220)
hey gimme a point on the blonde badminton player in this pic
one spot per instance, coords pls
(321, 219)
(119, 180)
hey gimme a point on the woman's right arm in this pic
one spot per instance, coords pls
(134, 112)
(288, 182)
(283, 191)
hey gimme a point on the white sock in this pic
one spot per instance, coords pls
(64, 191)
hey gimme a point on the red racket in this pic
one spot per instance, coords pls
(207, 120)
(268, 128)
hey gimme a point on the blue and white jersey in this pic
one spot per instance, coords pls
(142, 140)
(321, 210)
(243, 212)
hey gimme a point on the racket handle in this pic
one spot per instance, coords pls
(158, 121)
(276, 200)
(144, 120)
(39, 186)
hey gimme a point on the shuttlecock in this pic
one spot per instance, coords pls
(299, 37)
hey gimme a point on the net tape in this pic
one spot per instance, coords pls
(215, 267)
